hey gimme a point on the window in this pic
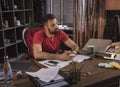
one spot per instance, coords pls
(62, 9)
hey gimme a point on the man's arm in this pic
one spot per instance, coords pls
(70, 43)
(39, 54)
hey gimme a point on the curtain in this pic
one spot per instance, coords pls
(89, 20)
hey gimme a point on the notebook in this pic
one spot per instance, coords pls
(55, 83)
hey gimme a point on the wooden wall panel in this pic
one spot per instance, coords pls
(112, 4)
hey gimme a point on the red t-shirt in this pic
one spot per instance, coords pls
(51, 45)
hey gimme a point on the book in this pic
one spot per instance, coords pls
(54, 83)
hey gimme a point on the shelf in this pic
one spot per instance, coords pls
(21, 48)
(28, 4)
(28, 10)
(20, 55)
(0, 23)
(9, 28)
(1, 55)
(28, 17)
(10, 44)
(7, 11)
(15, 15)
(18, 10)
(25, 25)
(6, 5)
(19, 33)
(11, 51)
(19, 41)
(8, 19)
(1, 48)
(18, 4)
(1, 40)
(19, 18)
(10, 35)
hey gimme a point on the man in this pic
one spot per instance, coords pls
(47, 41)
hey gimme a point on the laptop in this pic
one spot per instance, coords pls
(99, 44)
(20, 66)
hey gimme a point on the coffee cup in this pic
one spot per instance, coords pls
(91, 49)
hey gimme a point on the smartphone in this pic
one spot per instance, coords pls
(53, 62)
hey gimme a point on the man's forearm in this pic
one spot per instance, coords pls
(45, 55)
(75, 48)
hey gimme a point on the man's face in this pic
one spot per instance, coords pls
(52, 26)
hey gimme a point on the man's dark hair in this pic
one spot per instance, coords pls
(47, 17)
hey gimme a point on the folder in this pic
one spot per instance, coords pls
(55, 83)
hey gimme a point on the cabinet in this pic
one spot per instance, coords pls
(15, 15)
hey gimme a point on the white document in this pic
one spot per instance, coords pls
(117, 57)
(60, 64)
(46, 74)
(80, 58)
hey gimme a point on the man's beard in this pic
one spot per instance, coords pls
(54, 32)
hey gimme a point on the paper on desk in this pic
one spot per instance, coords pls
(117, 57)
(61, 64)
(46, 74)
(80, 58)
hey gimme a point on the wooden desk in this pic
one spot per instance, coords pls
(99, 76)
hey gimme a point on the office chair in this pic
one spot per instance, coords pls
(27, 35)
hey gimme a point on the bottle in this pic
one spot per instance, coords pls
(74, 72)
(7, 70)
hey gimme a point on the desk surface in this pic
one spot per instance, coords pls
(98, 77)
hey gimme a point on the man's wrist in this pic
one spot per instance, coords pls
(74, 52)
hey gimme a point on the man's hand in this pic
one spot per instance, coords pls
(67, 55)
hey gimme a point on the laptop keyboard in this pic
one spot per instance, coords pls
(20, 66)
(16, 66)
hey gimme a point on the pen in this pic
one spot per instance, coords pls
(115, 56)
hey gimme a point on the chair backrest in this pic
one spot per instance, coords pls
(27, 35)
(100, 44)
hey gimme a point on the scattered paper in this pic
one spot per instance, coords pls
(117, 57)
(46, 74)
(61, 64)
(80, 58)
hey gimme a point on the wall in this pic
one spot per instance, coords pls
(112, 4)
